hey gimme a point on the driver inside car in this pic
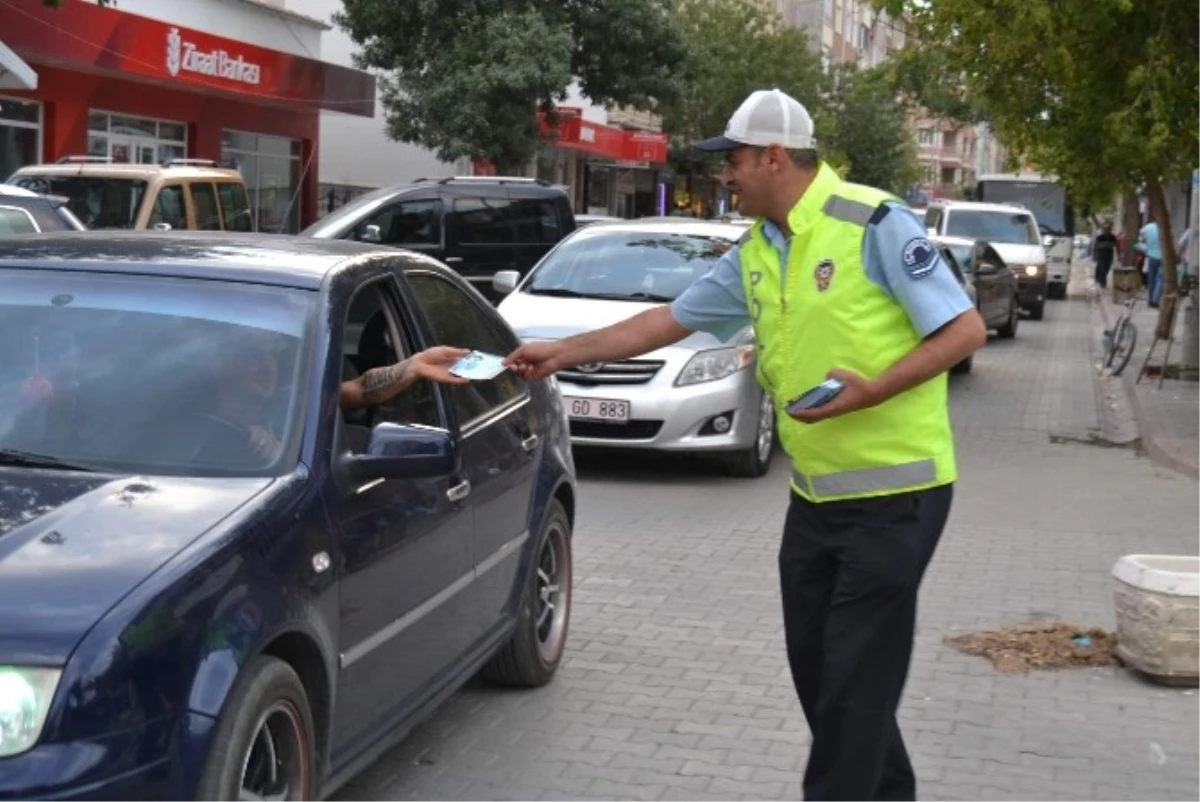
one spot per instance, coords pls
(246, 377)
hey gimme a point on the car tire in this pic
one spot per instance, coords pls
(267, 713)
(1037, 311)
(964, 366)
(532, 655)
(1009, 329)
(755, 461)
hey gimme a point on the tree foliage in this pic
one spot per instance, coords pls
(466, 77)
(862, 129)
(1100, 93)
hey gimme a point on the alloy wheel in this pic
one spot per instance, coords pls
(276, 764)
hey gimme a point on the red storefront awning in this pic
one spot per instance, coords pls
(572, 132)
(89, 38)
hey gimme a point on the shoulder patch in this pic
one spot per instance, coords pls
(881, 211)
(920, 257)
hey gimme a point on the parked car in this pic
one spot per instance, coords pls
(179, 194)
(995, 287)
(1012, 230)
(26, 212)
(190, 609)
(698, 396)
(479, 226)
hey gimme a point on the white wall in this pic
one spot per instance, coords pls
(240, 20)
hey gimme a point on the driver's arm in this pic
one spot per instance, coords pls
(376, 386)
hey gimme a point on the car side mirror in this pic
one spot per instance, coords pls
(405, 451)
(505, 281)
(162, 226)
(371, 233)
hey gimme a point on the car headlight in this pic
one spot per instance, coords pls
(25, 696)
(708, 366)
(1033, 270)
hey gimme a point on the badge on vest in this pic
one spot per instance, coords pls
(823, 273)
(920, 257)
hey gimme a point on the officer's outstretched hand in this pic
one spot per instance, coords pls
(858, 394)
(535, 361)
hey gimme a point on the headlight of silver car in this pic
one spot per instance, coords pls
(708, 366)
(25, 696)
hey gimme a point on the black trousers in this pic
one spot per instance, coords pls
(850, 571)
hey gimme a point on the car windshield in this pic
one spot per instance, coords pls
(627, 265)
(97, 202)
(151, 374)
(1018, 228)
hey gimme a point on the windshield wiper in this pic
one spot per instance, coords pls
(642, 296)
(560, 292)
(556, 292)
(26, 459)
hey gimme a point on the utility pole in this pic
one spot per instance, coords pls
(1189, 365)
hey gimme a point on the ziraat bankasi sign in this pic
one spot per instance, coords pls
(186, 56)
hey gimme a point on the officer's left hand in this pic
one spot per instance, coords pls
(859, 393)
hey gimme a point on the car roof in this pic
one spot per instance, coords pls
(982, 207)
(673, 225)
(143, 171)
(276, 259)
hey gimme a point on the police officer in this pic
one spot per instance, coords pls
(839, 281)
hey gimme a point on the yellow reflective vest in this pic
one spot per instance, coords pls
(823, 312)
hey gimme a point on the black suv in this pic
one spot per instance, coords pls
(476, 225)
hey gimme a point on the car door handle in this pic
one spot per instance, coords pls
(459, 491)
(530, 442)
(453, 260)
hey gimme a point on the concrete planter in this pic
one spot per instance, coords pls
(1157, 600)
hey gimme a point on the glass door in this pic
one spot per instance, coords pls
(132, 150)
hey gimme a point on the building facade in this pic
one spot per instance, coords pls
(240, 82)
(844, 31)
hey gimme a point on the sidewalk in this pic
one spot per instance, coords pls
(1168, 419)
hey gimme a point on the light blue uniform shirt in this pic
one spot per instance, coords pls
(932, 298)
(1150, 241)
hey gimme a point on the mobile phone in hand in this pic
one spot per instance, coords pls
(823, 393)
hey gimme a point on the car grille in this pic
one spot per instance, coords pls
(631, 371)
(633, 430)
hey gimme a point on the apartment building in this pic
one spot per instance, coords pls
(844, 31)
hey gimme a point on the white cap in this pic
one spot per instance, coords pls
(767, 117)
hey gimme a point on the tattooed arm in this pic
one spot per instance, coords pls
(380, 385)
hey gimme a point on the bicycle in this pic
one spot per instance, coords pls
(1119, 341)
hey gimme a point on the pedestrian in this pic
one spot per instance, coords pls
(1149, 244)
(865, 298)
(1104, 252)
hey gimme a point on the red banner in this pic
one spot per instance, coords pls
(575, 133)
(88, 37)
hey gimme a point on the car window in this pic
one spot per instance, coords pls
(459, 320)
(368, 343)
(406, 224)
(79, 346)
(168, 207)
(628, 265)
(952, 262)
(98, 202)
(536, 220)
(1018, 228)
(16, 221)
(235, 207)
(482, 221)
(962, 256)
(204, 202)
(933, 218)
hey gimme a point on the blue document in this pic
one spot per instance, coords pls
(479, 366)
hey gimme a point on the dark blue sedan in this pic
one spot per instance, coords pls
(214, 582)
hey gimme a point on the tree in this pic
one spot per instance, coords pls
(1102, 93)
(863, 129)
(466, 77)
(733, 47)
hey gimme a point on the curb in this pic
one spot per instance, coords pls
(1147, 430)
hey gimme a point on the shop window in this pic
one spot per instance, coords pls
(169, 208)
(139, 140)
(20, 134)
(270, 166)
(204, 202)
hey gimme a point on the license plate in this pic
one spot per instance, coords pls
(603, 409)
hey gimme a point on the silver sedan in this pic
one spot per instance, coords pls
(699, 395)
